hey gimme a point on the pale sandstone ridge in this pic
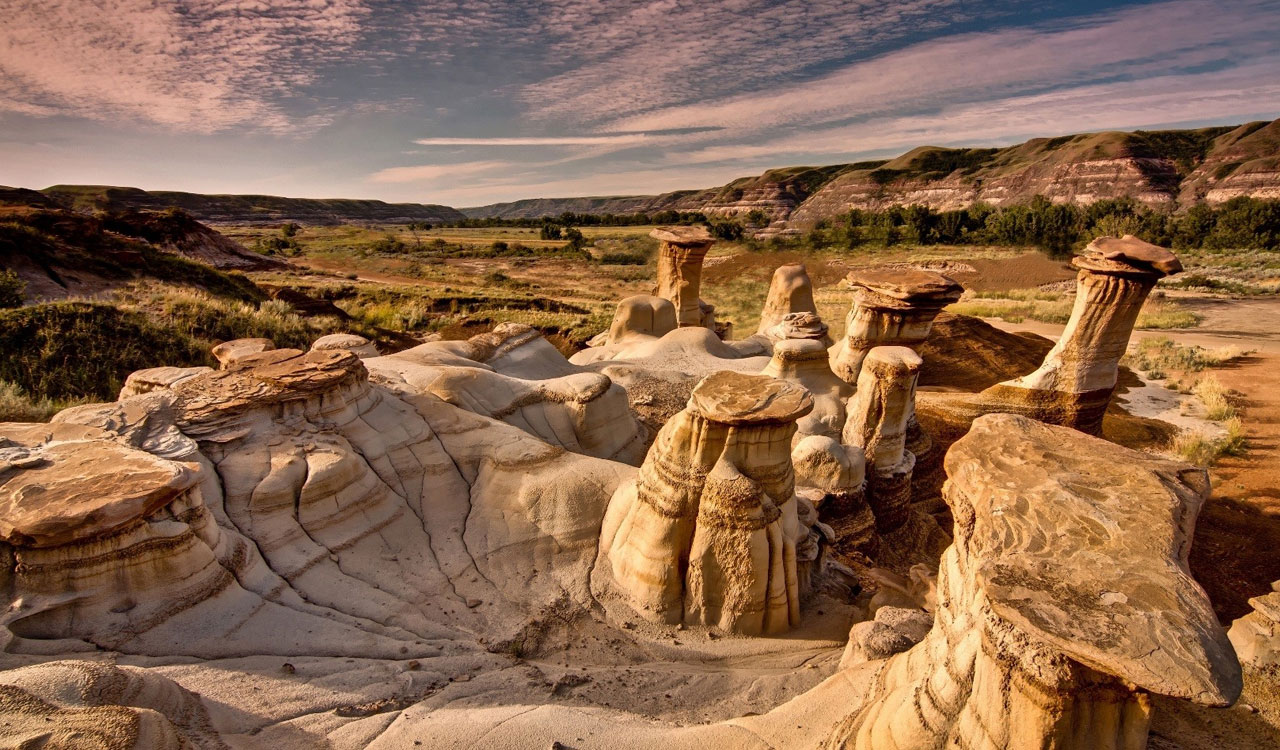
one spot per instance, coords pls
(1073, 386)
(879, 412)
(707, 533)
(680, 254)
(1064, 599)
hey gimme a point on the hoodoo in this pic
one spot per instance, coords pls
(1073, 386)
(707, 533)
(680, 254)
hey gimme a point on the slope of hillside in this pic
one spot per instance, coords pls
(1245, 161)
(249, 209)
(1172, 168)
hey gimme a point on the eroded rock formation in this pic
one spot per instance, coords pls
(1073, 386)
(707, 532)
(804, 362)
(891, 307)
(680, 253)
(1063, 601)
(790, 293)
(878, 415)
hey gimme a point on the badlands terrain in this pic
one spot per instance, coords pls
(302, 482)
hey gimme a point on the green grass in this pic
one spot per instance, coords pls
(1161, 354)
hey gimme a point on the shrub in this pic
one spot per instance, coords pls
(12, 289)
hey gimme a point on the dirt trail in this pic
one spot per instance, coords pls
(1239, 532)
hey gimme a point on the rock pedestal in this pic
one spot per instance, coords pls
(891, 307)
(1063, 601)
(680, 257)
(790, 292)
(1073, 386)
(804, 362)
(877, 422)
(707, 533)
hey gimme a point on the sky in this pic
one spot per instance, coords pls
(477, 101)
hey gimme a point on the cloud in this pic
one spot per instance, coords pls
(576, 140)
(432, 172)
(196, 65)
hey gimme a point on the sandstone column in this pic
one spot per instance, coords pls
(877, 422)
(680, 257)
(1064, 601)
(892, 307)
(790, 292)
(707, 533)
(1074, 385)
(804, 362)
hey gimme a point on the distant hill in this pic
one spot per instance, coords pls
(248, 209)
(1174, 168)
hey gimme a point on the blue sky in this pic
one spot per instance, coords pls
(477, 101)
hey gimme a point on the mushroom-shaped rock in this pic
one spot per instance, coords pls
(790, 292)
(707, 533)
(357, 345)
(891, 307)
(1064, 599)
(680, 253)
(804, 362)
(1074, 384)
(879, 412)
(229, 352)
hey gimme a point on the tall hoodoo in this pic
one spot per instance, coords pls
(707, 533)
(804, 362)
(1074, 384)
(892, 307)
(790, 292)
(1064, 600)
(877, 423)
(680, 257)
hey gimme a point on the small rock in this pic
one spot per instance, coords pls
(473, 603)
(287, 668)
(413, 665)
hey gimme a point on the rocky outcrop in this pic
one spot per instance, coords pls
(286, 505)
(1064, 600)
(680, 254)
(790, 294)
(707, 533)
(891, 307)
(878, 415)
(1073, 385)
(804, 362)
(1256, 636)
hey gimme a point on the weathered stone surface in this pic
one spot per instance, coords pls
(892, 631)
(800, 325)
(230, 352)
(1074, 384)
(71, 490)
(804, 362)
(357, 345)
(155, 378)
(680, 255)
(1064, 598)
(1256, 636)
(717, 491)
(790, 292)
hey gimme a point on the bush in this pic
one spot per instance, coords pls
(12, 289)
